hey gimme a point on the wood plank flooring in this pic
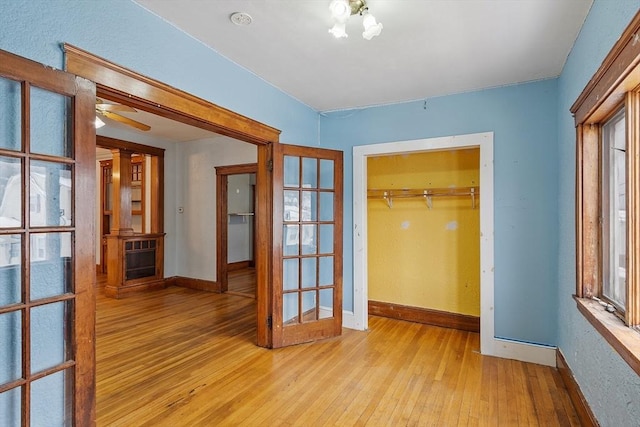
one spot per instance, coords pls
(242, 282)
(181, 357)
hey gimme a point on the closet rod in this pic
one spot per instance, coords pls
(428, 193)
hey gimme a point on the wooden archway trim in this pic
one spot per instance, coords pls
(126, 86)
(120, 84)
(106, 142)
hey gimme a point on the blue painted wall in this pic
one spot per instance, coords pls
(610, 386)
(534, 156)
(125, 33)
(523, 118)
(524, 121)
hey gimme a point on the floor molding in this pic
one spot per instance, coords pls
(199, 284)
(523, 351)
(124, 291)
(349, 321)
(577, 398)
(425, 315)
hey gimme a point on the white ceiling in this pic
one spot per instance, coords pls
(166, 129)
(427, 48)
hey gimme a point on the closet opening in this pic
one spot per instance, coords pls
(423, 233)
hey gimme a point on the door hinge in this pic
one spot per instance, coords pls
(270, 322)
(270, 165)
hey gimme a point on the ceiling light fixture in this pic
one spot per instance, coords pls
(241, 19)
(341, 10)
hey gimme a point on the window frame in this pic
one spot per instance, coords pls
(607, 216)
(615, 86)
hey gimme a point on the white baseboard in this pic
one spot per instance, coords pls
(525, 352)
(349, 321)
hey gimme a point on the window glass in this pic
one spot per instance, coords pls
(10, 406)
(326, 174)
(290, 308)
(326, 303)
(309, 266)
(309, 305)
(10, 192)
(309, 173)
(290, 273)
(291, 171)
(10, 115)
(50, 264)
(11, 350)
(50, 117)
(326, 206)
(51, 400)
(49, 337)
(49, 194)
(10, 269)
(325, 273)
(614, 211)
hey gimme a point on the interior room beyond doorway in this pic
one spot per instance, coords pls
(241, 234)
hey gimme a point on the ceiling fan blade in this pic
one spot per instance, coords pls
(115, 107)
(125, 120)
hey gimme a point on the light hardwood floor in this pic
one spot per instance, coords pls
(242, 282)
(180, 357)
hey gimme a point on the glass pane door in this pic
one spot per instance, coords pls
(308, 224)
(42, 355)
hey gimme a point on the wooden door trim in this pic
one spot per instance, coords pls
(130, 88)
(156, 186)
(137, 90)
(85, 320)
(120, 144)
(222, 173)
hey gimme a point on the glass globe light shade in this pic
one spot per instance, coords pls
(340, 10)
(371, 28)
(339, 30)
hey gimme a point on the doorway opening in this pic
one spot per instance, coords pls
(236, 228)
(423, 236)
(130, 215)
(482, 141)
(124, 86)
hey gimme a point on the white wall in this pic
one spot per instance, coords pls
(195, 178)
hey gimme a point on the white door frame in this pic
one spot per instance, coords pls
(483, 141)
(358, 319)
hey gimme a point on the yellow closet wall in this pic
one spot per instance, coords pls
(421, 257)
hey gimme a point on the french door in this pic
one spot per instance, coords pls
(307, 244)
(47, 257)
